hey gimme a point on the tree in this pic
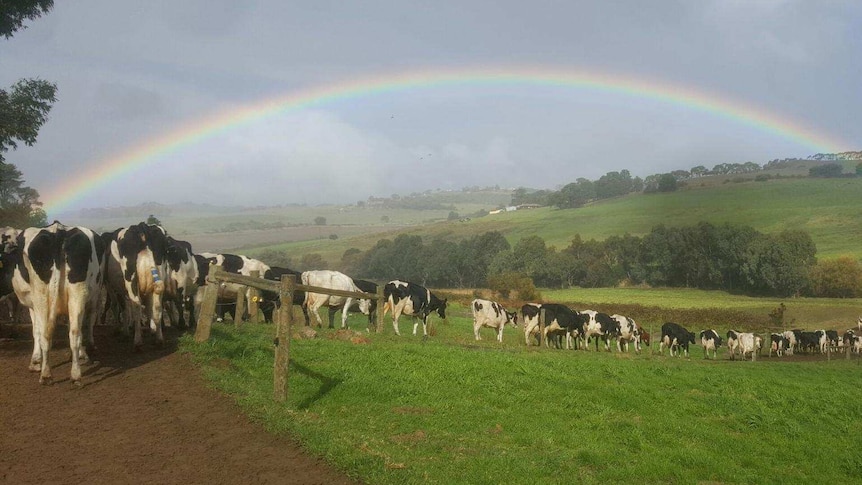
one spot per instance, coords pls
(19, 204)
(319, 221)
(859, 169)
(153, 220)
(667, 183)
(829, 170)
(23, 110)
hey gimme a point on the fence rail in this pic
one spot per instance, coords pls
(283, 318)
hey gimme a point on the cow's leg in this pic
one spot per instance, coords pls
(332, 311)
(36, 357)
(76, 320)
(344, 312)
(415, 324)
(135, 312)
(476, 327)
(45, 341)
(178, 302)
(500, 333)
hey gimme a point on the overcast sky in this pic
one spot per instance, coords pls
(131, 72)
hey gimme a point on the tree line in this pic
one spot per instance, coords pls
(726, 257)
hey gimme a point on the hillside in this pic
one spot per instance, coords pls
(827, 208)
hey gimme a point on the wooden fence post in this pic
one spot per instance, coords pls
(205, 316)
(239, 310)
(253, 300)
(541, 327)
(283, 329)
(380, 305)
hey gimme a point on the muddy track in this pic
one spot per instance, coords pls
(139, 418)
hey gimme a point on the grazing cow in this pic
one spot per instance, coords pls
(269, 300)
(749, 343)
(530, 315)
(181, 281)
(57, 270)
(778, 344)
(333, 280)
(236, 264)
(142, 251)
(857, 344)
(491, 314)
(710, 340)
(599, 325)
(645, 336)
(732, 343)
(367, 287)
(627, 331)
(675, 336)
(560, 321)
(408, 298)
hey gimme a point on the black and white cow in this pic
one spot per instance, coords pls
(367, 287)
(628, 331)
(710, 340)
(269, 300)
(778, 343)
(403, 297)
(599, 325)
(181, 281)
(791, 341)
(675, 336)
(57, 270)
(832, 340)
(561, 321)
(333, 280)
(809, 341)
(142, 252)
(732, 343)
(487, 313)
(227, 292)
(530, 317)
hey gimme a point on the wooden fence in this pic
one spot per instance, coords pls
(283, 317)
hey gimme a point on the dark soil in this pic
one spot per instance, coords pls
(139, 418)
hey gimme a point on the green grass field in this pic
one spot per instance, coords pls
(826, 208)
(452, 410)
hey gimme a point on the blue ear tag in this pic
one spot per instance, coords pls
(155, 275)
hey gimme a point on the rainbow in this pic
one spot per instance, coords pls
(148, 151)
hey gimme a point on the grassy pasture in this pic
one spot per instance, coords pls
(390, 409)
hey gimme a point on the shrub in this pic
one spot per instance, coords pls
(836, 278)
(514, 285)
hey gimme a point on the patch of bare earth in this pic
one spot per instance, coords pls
(139, 418)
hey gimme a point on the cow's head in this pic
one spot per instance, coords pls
(512, 318)
(690, 337)
(441, 309)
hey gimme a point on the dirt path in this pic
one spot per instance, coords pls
(140, 418)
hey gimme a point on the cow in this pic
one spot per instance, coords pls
(181, 281)
(142, 251)
(859, 325)
(832, 340)
(627, 331)
(791, 341)
(675, 336)
(732, 343)
(645, 336)
(599, 325)
(236, 264)
(408, 298)
(749, 344)
(269, 300)
(822, 340)
(857, 344)
(710, 340)
(530, 316)
(333, 280)
(778, 344)
(808, 341)
(561, 321)
(491, 314)
(57, 270)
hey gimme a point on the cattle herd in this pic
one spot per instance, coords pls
(142, 275)
(564, 327)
